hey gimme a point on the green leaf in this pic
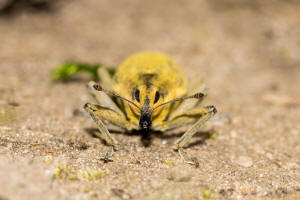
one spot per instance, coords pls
(69, 69)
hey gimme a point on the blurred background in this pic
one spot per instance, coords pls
(249, 40)
(247, 52)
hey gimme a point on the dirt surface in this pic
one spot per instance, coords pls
(248, 53)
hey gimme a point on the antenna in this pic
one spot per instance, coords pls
(198, 95)
(100, 88)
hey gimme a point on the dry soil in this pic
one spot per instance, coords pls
(248, 53)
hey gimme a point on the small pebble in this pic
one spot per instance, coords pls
(233, 133)
(245, 161)
(270, 156)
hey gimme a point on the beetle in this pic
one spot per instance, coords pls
(148, 91)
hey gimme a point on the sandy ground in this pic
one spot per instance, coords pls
(248, 53)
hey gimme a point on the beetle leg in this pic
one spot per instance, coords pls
(105, 78)
(185, 118)
(189, 116)
(98, 114)
(206, 113)
(103, 99)
(172, 124)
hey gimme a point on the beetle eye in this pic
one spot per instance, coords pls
(137, 95)
(157, 95)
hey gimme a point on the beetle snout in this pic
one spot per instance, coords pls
(145, 119)
(144, 125)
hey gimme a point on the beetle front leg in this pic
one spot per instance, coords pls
(99, 113)
(206, 113)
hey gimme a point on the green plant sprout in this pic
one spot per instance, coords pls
(68, 69)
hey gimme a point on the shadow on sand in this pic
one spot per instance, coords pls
(146, 139)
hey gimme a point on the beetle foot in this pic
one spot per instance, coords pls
(107, 157)
(187, 159)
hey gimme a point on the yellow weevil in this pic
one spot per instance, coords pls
(147, 93)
